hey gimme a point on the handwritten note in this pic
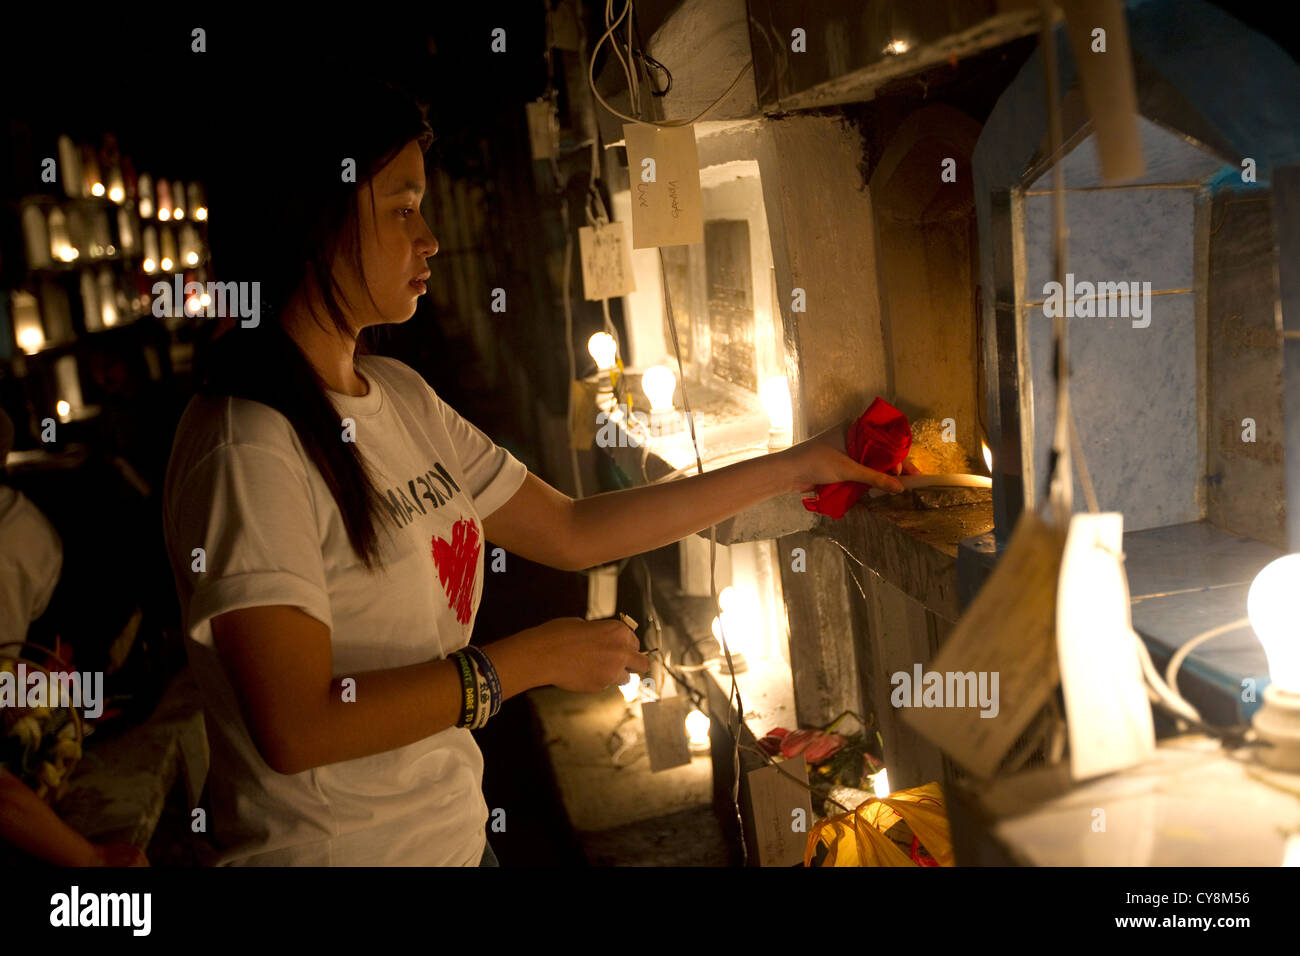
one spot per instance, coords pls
(664, 168)
(606, 261)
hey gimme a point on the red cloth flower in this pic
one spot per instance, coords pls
(879, 439)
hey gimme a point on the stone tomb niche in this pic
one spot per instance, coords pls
(924, 219)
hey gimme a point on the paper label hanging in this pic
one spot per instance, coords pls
(1106, 708)
(665, 732)
(606, 261)
(782, 811)
(663, 166)
(1007, 633)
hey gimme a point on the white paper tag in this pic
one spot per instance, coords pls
(543, 129)
(663, 166)
(782, 811)
(606, 261)
(1106, 708)
(602, 592)
(665, 733)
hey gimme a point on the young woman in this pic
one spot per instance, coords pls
(326, 514)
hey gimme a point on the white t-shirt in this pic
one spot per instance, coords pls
(31, 558)
(240, 486)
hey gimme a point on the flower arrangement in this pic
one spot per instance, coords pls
(40, 745)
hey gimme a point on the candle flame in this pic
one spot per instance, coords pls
(988, 456)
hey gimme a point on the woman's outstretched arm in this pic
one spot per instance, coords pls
(547, 526)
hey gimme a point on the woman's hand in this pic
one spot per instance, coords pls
(589, 656)
(812, 463)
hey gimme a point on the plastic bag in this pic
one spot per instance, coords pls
(870, 835)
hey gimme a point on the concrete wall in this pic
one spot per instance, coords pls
(1246, 489)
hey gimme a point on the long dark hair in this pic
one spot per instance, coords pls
(295, 213)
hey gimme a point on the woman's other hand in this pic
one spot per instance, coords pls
(589, 656)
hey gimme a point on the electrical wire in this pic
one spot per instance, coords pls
(591, 80)
(713, 586)
(1180, 655)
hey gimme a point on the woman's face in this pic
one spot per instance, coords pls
(395, 242)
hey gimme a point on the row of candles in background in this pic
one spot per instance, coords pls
(53, 235)
(43, 319)
(86, 173)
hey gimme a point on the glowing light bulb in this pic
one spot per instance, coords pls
(603, 348)
(117, 194)
(731, 629)
(697, 730)
(166, 264)
(1273, 605)
(192, 258)
(164, 214)
(63, 408)
(988, 456)
(632, 688)
(895, 47)
(201, 214)
(97, 189)
(179, 212)
(205, 299)
(150, 265)
(659, 383)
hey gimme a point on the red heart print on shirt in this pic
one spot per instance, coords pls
(457, 565)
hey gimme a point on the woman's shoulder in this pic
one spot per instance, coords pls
(216, 425)
(213, 420)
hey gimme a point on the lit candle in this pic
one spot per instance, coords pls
(69, 386)
(189, 245)
(150, 248)
(93, 185)
(146, 196)
(194, 198)
(27, 322)
(107, 297)
(168, 261)
(60, 247)
(164, 200)
(116, 186)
